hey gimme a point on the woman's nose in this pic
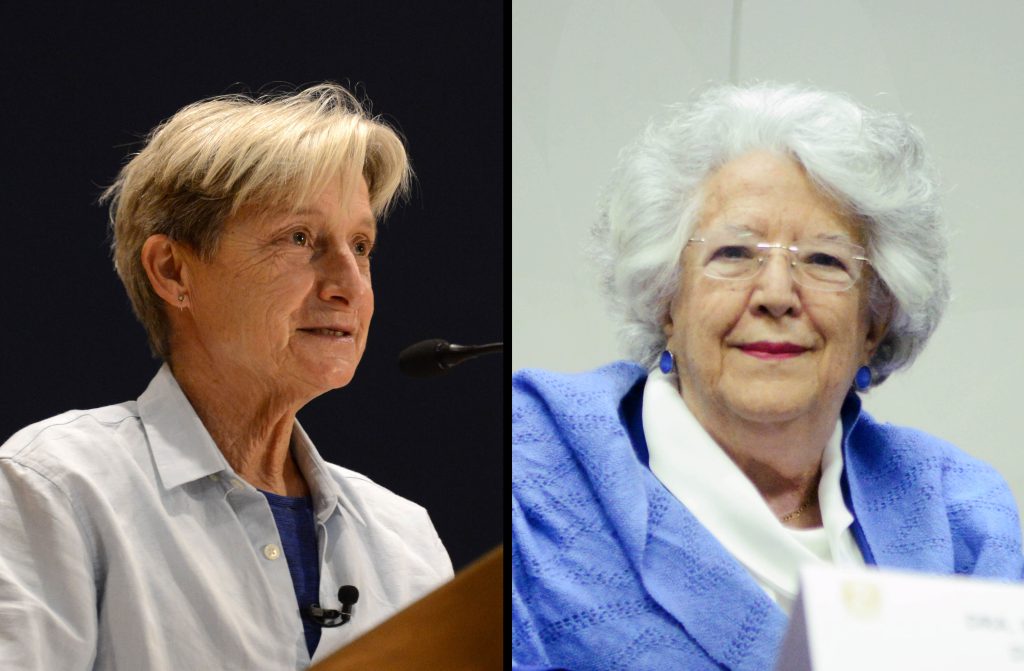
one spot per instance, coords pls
(775, 291)
(343, 279)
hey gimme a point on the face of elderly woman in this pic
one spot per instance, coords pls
(767, 350)
(286, 301)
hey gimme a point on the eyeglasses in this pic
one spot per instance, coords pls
(824, 265)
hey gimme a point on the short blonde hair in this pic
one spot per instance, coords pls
(216, 156)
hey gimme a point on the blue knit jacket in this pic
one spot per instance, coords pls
(610, 571)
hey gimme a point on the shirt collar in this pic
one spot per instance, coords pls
(327, 494)
(183, 449)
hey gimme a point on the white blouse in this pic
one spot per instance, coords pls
(693, 467)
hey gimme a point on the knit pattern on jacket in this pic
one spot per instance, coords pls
(610, 571)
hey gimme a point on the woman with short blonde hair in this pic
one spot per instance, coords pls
(216, 156)
(198, 527)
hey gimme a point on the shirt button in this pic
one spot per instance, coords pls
(271, 551)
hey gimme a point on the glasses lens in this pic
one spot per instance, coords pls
(730, 258)
(827, 265)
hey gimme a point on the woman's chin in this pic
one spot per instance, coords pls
(337, 379)
(323, 377)
(770, 414)
(771, 403)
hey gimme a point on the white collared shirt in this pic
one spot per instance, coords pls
(695, 469)
(128, 542)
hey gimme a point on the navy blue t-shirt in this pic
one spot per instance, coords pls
(296, 526)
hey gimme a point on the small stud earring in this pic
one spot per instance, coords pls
(667, 362)
(181, 301)
(863, 378)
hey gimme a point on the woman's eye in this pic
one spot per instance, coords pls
(300, 238)
(825, 261)
(732, 253)
(362, 248)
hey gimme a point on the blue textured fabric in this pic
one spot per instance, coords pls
(610, 571)
(297, 528)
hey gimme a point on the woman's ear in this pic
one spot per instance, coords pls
(668, 326)
(164, 261)
(878, 327)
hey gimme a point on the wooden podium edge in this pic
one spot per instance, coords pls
(459, 626)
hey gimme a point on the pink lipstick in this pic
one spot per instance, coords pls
(773, 350)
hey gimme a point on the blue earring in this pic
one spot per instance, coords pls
(863, 378)
(666, 363)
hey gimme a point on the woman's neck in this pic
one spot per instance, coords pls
(782, 459)
(250, 425)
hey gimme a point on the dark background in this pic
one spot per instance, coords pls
(83, 83)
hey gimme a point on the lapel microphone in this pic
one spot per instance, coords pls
(328, 617)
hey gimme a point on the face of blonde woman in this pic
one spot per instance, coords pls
(286, 301)
(767, 349)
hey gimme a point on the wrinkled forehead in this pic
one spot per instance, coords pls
(777, 216)
(348, 191)
(772, 195)
(740, 230)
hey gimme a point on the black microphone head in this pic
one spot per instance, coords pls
(423, 359)
(348, 595)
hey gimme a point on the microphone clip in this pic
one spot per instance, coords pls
(326, 617)
(329, 617)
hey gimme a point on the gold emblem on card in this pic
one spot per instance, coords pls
(861, 599)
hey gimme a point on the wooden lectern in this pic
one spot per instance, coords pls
(457, 627)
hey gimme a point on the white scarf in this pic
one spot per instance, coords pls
(693, 467)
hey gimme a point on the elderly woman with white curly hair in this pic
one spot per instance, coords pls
(770, 253)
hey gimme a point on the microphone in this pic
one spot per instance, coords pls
(328, 617)
(436, 357)
(347, 595)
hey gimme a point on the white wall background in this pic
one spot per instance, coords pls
(589, 74)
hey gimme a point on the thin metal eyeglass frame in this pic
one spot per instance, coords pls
(793, 251)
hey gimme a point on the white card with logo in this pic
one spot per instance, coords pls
(848, 619)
